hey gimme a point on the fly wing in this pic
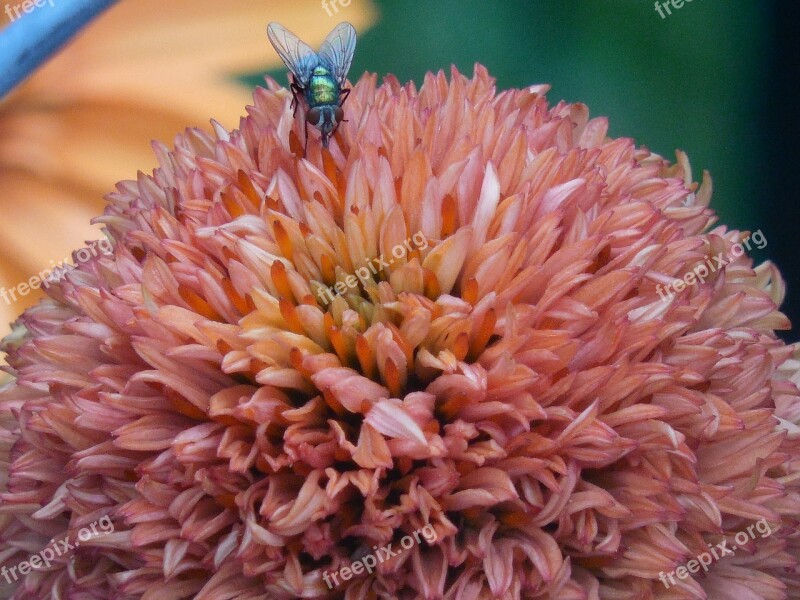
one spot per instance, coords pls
(337, 50)
(294, 52)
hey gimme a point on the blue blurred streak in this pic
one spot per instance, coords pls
(29, 40)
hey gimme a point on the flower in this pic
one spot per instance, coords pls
(517, 384)
(134, 72)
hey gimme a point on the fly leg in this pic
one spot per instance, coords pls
(343, 94)
(296, 91)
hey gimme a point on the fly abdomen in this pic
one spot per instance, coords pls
(322, 90)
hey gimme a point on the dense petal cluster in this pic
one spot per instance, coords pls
(57, 158)
(516, 383)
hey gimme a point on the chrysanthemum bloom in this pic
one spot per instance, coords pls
(516, 382)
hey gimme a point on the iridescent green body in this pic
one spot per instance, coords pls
(322, 89)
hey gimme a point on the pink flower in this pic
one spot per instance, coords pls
(516, 382)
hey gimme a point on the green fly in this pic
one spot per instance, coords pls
(317, 77)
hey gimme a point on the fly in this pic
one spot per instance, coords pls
(318, 77)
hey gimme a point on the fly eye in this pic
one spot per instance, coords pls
(314, 115)
(338, 113)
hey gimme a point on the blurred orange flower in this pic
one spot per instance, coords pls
(144, 70)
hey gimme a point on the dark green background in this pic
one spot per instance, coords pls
(702, 80)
